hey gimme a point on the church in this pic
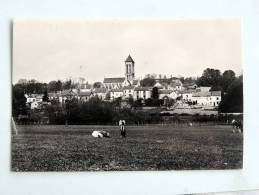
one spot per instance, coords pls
(120, 82)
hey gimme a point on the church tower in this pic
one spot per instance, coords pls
(129, 69)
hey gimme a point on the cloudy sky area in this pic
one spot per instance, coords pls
(51, 50)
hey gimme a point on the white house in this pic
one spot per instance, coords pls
(116, 93)
(187, 95)
(33, 98)
(207, 98)
(128, 91)
(34, 105)
(142, 93)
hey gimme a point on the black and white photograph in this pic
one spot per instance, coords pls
(126, 95)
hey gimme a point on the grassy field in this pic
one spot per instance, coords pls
(156, 147)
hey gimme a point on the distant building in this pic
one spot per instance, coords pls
(120, 82)
(128, 91)
(116, 93)
(68, 94)
(84, 95)
(34, 100)
(187, 86)
(100, 93)
(168, 93)
(207, 98)
(187, 94)
(142, 93)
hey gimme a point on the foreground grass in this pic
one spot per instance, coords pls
(72, 148)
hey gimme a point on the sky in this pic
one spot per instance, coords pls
(48, 50)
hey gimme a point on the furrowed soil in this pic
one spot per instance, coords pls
(152, 147)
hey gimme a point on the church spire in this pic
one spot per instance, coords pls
(129, 69)
(129, 59)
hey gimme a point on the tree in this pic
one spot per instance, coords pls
(147, 82)
(210, 78)
(117, 101)
(67, 84)
(232, 100)
(138, 103)
(54, 86)
(154, 93)
(45, 97)
(19, 100)
(131, 100)
(22, 81)
(97, 85)
(107, 96)
(227, 78)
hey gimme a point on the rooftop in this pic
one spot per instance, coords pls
(142, 89)
(116, 90)
(114, 80)
(100, 90)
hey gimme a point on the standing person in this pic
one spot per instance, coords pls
(122, 128)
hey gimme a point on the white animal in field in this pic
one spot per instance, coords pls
(100, 134)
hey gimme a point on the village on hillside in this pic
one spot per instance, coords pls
(171, 92)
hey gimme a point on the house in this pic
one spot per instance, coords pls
(142, 93)
(116, 93)
(34, 105)
(187, 86)
(33, 98)
(54, 96)
(128, 91)
(176, 85)
(207, 98)
(68, 94)
(215, 98)
(160, 86)
(100, 93)
(187, 95)
(85, 95)
(170, 94)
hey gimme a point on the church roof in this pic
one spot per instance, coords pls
(114, 80)
(129, 59)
